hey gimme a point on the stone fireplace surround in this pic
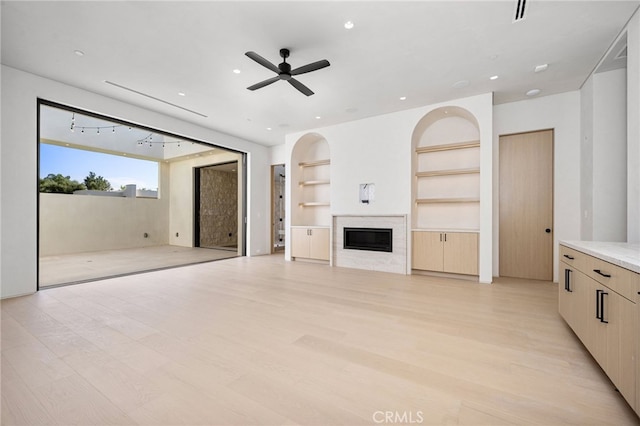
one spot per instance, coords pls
(395, 262)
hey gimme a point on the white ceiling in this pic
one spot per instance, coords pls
(417, 49)
(66, 128)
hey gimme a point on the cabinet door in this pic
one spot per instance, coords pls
(595, 334)
(319, 245)
(299, 242)
(637, 338)
(621, 336)
(427, 252)
(566, 301)
(460, 253)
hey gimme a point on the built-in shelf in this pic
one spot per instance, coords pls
(448, 147)
(449, 172)
(313, 204)
(446, 200)
(314, 163)
(314, 182)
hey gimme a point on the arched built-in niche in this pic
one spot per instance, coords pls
(446, 191)
(310, 198)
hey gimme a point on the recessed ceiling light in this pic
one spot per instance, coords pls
(533, 92)
(236, 71)
(78, 52)
(349, 25)
(318, 117)
(181, 94)
(540, 68)
(268, 128)
(403, 98)
(460, 84)
(493, 77)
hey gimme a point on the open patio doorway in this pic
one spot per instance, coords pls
(217, 215)
(116, 198)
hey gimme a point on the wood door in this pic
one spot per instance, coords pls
(319, 245)
(427, 251)
(300, 242)
(461, 253)
(526, 205)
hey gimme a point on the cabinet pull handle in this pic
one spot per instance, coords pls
(602, 293)
(569, 257)
(598, 271)
(445, 238)
(598, 305)
(440, 237)
(567, 280)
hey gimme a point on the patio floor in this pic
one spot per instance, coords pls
(89, 266)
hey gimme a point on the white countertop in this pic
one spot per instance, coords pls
(625, 255)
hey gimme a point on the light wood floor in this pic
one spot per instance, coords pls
(79, 267)
(262, 341)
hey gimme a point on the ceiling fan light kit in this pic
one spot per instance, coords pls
(285, 72)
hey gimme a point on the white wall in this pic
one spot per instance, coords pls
(633, 129)
(562, 114)
(603, 157)
(278, 154)
(586, 160)
(78, 223)
(18, 192)
(378, 150)
(181, 219)
(609, 156)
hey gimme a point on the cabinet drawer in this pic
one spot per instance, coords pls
(573, 257)
(620, 280)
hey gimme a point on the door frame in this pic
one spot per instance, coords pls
(241, 202)
(273, 205)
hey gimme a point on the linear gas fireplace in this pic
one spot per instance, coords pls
(372, 239)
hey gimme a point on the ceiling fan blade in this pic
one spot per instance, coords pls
(301, 87)
(311, 67)
(262, 61)
(264, 83)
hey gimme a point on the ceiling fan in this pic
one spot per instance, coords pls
(285, 72)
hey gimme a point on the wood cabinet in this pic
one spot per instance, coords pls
(451, 252)
(310, 242)
(637, 348)
(599, 301)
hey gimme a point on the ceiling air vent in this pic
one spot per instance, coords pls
(520, 8)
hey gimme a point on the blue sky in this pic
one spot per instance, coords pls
(118, 170)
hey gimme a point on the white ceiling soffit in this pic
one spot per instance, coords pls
(76, 130)
(416, 50)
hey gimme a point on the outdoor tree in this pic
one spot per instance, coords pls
(60, 184)
(97, 183)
